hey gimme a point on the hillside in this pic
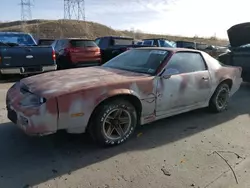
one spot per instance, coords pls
(71, 28)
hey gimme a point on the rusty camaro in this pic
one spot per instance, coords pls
(137, 87)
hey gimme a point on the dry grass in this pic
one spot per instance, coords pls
(71, 28)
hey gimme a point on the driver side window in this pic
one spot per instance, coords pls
(186, 62)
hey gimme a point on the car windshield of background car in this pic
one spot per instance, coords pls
(165, 43)
(143, 61)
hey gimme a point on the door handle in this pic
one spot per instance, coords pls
(205, 78)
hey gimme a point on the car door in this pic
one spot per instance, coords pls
(187, 85)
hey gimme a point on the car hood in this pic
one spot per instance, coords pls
(239, 34)
(56, 83)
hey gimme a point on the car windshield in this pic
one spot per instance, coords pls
(21, 39)
(138, 60)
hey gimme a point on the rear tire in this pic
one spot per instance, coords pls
(220, 99)
(113, 123)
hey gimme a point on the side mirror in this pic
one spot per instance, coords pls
(167, 73)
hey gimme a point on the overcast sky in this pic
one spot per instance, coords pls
(175, 17)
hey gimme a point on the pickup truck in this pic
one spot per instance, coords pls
(239, 50)
(112, 46)
(19, 54)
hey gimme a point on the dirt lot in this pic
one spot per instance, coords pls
(173, 153)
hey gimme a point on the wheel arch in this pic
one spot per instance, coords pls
(133, 99)
(228, 81)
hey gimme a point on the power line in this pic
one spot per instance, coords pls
(25, 12)
(74, 9)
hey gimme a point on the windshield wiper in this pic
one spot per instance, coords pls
(4, 44)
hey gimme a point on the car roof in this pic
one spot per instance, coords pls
(169, 49)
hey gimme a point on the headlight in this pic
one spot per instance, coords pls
(32, 100)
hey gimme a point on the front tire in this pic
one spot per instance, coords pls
(113, 123)
(220, 99)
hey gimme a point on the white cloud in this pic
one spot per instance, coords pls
(176, 17)
(181, 17)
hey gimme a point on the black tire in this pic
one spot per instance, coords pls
(97, 126)
(216, 103)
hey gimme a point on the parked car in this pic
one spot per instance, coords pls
(19, 54)
(45, 42)
(139, 42)
(112, 46)
(215, 51)
(185, 44)
(76, 52)
(191, 45)
(239, 54)
(136, 87)
(159, 42)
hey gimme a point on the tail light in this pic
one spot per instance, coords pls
(98, 52)
(53, 55)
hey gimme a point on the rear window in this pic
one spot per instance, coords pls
(148, 42)
(184, 44)
(200, 46)
(83, 43)
(45, 42)
(123, 41)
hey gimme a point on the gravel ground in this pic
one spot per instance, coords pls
(176, 152)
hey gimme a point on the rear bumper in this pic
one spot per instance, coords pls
(236, 85)
(20, 70)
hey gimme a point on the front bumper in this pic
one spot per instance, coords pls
(33, 119)
(28, 70)
(28, 124)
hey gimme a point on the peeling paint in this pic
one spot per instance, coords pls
(72, 95)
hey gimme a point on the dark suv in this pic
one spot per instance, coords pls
(77, 52)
